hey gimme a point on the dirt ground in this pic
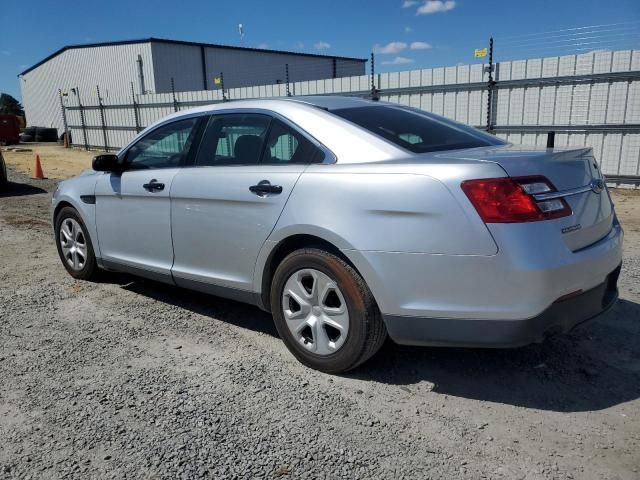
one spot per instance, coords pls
(57, 162)
(127, 378)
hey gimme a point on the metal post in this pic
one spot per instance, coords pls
(64, 120)
(551, 139)
(82, 122)
(490, 87)
(286, 76)
(135, 109)
(224, 95)
(375, 93)
(173, 93)
(102, 122)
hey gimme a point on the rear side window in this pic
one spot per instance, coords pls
(234, 139)
(251, 139)
(285, 145)
(416, 131)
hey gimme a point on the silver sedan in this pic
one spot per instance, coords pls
(350, 221)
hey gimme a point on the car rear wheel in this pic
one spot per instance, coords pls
(74, 245)
(324, 312)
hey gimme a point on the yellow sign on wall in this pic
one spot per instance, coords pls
(217, 80)
(480, 52)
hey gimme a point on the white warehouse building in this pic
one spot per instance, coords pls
(149, 65)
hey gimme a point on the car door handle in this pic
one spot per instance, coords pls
(153, 186)
(264, 187)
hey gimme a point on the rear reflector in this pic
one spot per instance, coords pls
(511, 200)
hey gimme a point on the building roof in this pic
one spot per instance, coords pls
(182, 42)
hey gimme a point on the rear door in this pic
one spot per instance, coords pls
(133, 211)
(225, 207)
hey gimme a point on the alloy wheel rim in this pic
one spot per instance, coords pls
(73, 244)
(315, 311)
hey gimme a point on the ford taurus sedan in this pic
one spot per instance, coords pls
(350, 221)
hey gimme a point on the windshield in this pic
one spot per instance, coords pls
(415, 130)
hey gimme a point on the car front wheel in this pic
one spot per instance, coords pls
(74, 245)
(324, 311)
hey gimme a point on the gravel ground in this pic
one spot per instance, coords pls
(128, 378)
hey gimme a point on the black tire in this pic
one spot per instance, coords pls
(4, 181)
(26, 138)
(367, 331)
(90, 268)
(44, 134)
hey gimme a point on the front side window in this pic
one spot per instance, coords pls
(234, 139)
(416, 131)
(165, 147)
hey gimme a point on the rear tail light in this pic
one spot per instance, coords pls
(512, 199)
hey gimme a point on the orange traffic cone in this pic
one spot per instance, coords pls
(37, 169)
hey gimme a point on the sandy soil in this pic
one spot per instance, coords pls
(57, 162)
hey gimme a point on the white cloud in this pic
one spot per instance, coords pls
(299, 45)
(5, 52)
(408, 29)
(399, 61)
(321, 45)
(409, 3)
(263, 46)
(389, 48)
(435, 6)
(419, 45)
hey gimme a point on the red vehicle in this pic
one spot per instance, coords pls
(9, 130)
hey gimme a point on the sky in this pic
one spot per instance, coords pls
(405, 34)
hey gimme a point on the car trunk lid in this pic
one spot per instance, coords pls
(574, 173)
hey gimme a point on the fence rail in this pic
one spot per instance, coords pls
(589, 99)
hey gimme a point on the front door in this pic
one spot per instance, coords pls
(225, 207)
(133, 208)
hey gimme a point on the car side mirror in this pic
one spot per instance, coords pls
(106, 163)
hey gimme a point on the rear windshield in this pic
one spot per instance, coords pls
(414, 130)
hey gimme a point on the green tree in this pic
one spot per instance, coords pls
(10, 106)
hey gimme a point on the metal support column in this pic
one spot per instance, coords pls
(173, 94)
(136, 114)
(375, 92)
(286, 76)
(102, 122)
(64, 120)
(490, 87)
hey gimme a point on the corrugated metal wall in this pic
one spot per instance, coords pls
(579, 96)
(183, 63)
(247, 68)
(111, 67)
(114, 67)
(241, 68)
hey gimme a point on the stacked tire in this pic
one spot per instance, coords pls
(46, 134)
(39, 134)
(28, 135)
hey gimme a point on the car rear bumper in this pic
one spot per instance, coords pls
(561, 317)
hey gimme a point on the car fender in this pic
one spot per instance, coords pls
(79, 192)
